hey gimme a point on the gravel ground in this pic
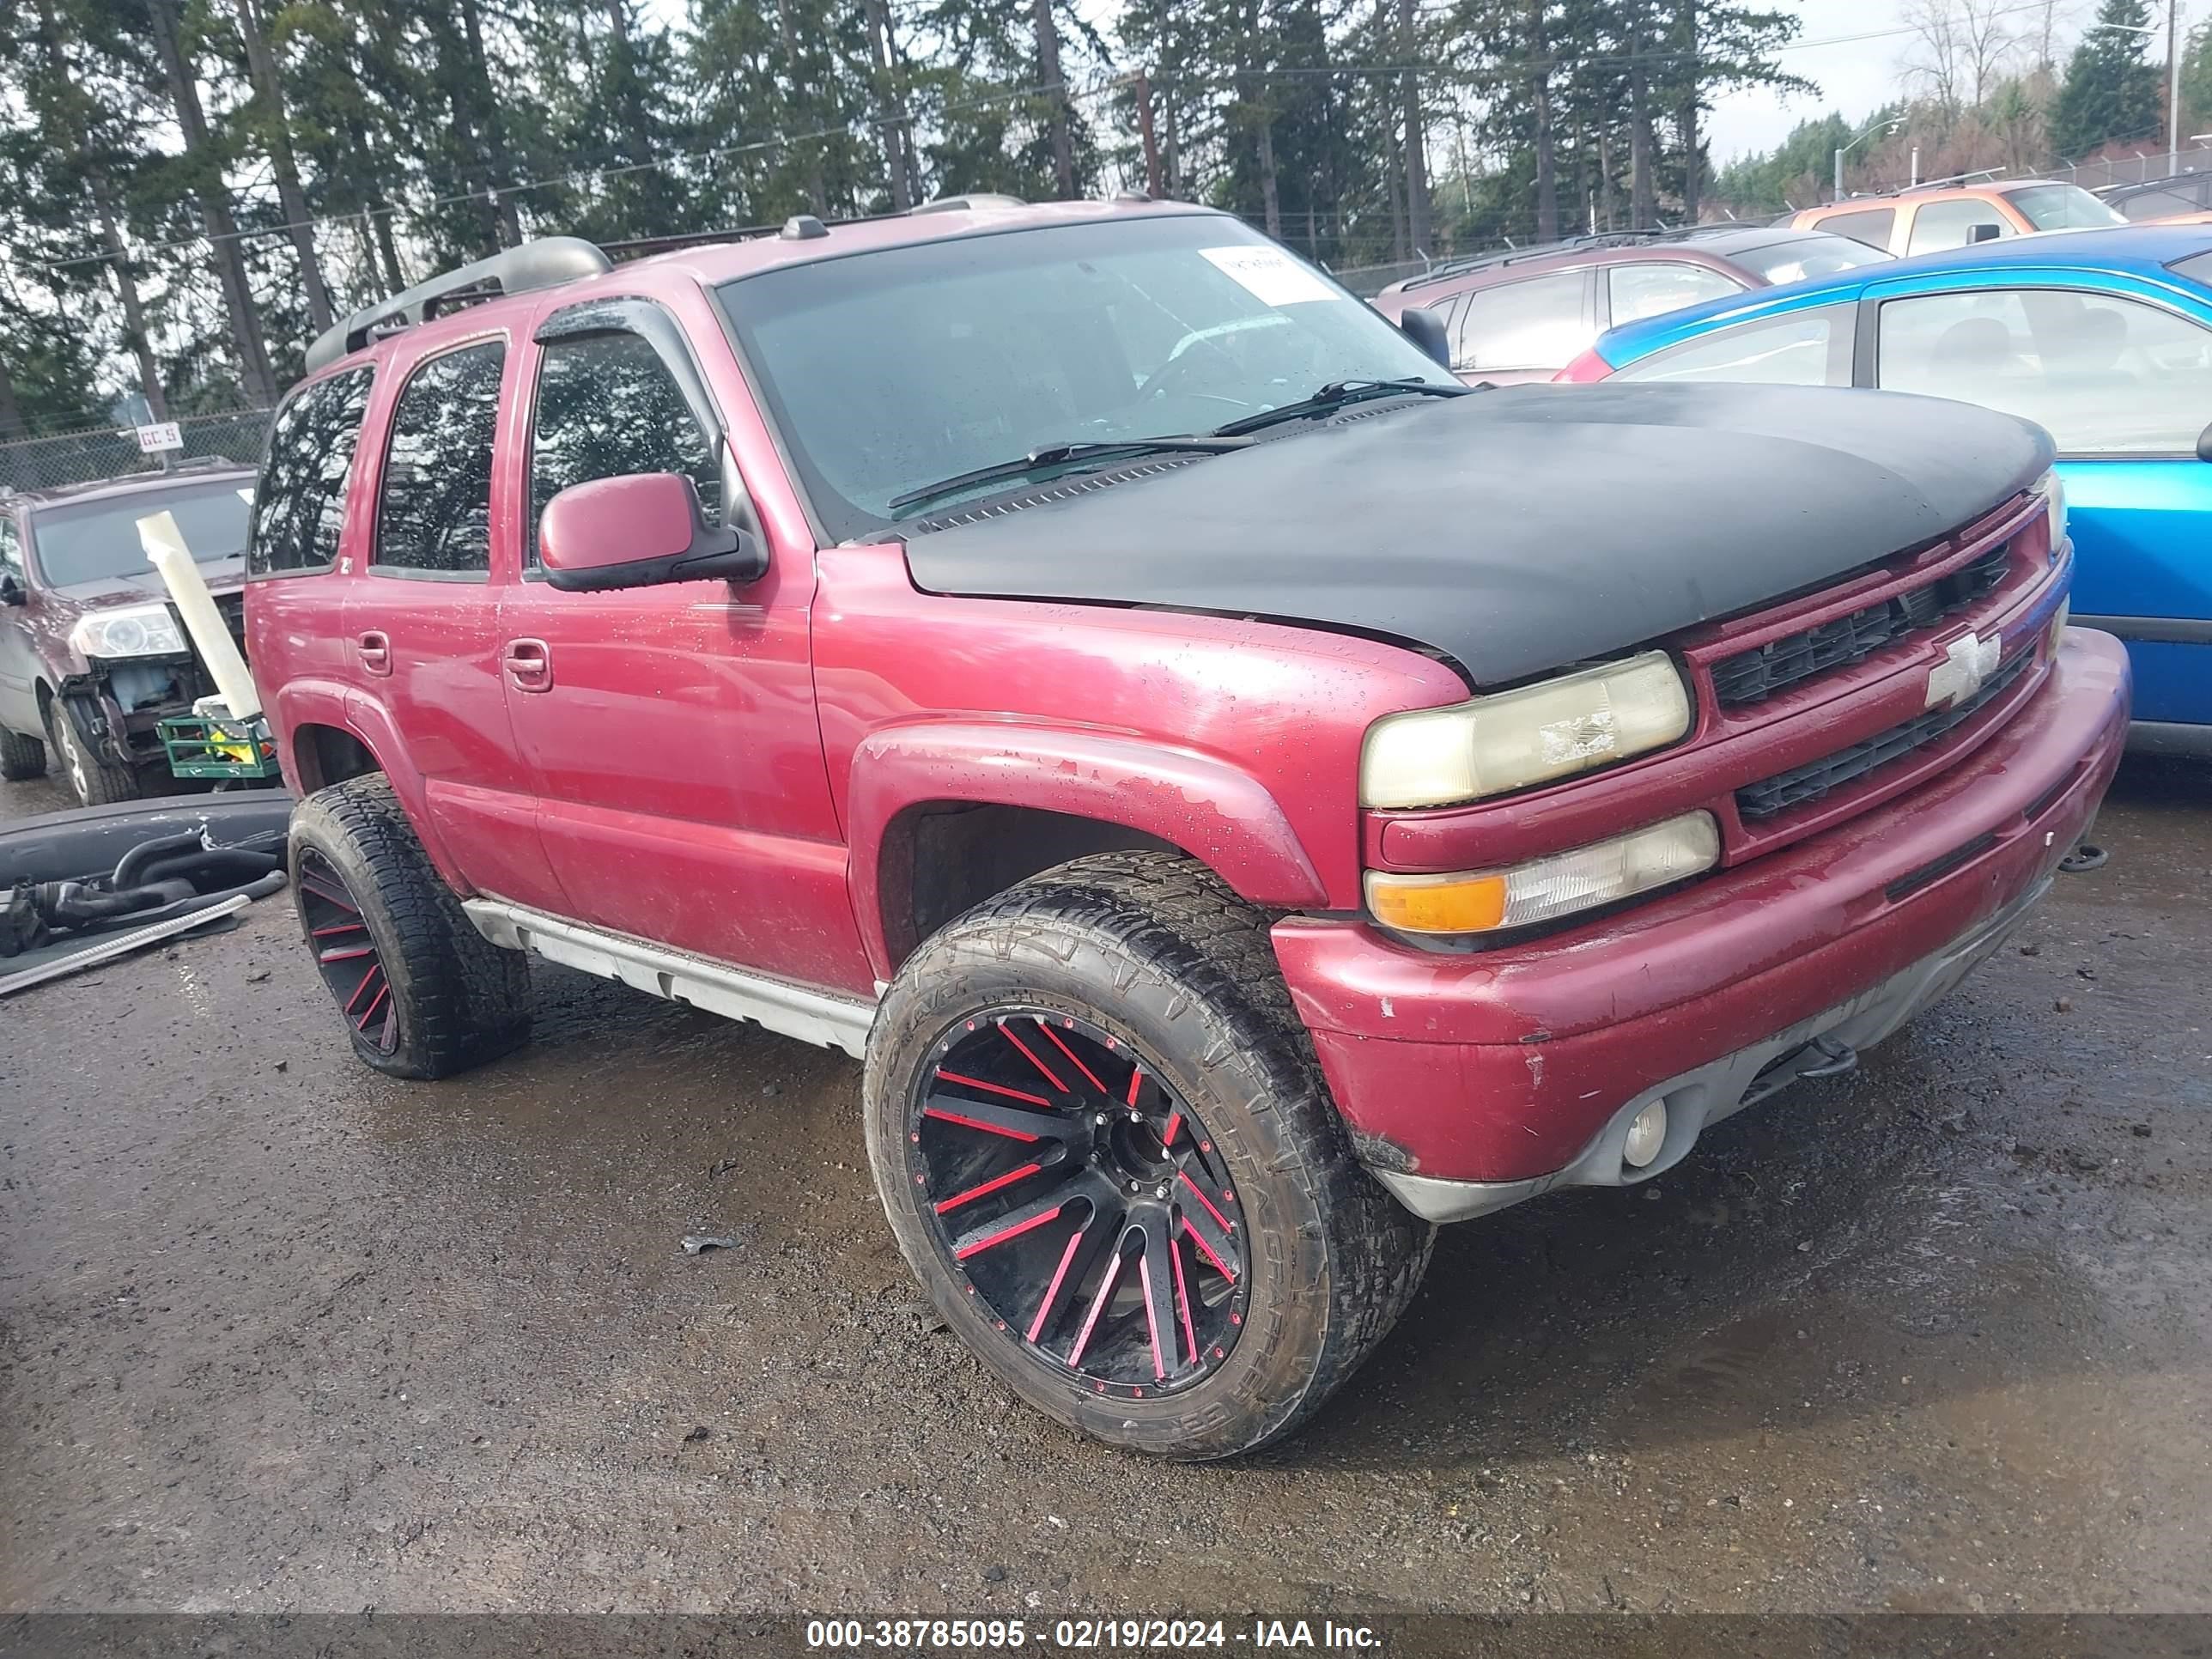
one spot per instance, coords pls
(277, 1333)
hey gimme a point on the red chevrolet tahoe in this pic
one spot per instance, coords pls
(1246, 797)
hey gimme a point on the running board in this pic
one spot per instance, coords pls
(791, 1011)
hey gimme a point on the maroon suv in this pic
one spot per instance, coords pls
(92, 657)
(1245, 796)
(1519, 314)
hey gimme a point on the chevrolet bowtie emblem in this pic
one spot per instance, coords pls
(1966, 663)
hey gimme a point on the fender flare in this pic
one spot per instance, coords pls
(326, 703)
(1217, 813)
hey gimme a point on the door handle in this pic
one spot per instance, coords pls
(374, 651)
(529, 665)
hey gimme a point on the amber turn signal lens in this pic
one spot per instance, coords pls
(1438, 904)
(1543, 889)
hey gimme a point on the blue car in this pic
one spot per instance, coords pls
(2102, 337)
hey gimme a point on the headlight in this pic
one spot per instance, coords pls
(1485, 901)
(2053, 492)
(131, 630)
(1434, 757)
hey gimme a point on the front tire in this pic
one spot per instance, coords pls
(20, 757)
(1191, 1291)
(97, 781)
(423, 995)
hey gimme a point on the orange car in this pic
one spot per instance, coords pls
(1939, 216)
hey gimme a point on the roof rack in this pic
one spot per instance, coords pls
(545, 262)
(548, 261)
(1946, 183)
(1510, 255)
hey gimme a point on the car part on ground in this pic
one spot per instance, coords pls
(423, 995)
(61, 846)
(170, 875)
(61, 911)
(109, 947)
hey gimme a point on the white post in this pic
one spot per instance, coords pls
(164, 546)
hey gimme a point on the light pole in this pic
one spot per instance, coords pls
(2172, 71)
(1841, 150)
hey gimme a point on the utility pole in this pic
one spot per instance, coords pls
(2173, 83)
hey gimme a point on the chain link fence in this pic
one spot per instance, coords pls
(2107, 171)
(1368, 280)
(112, 453)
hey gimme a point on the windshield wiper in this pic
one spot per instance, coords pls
(1060, 455)
(1336, 396)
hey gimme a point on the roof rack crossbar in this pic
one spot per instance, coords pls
(546, 262)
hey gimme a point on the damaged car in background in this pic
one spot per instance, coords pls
(93, 657)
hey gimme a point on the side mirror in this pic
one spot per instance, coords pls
(2204, 453)
(638, 530)
(1426, 330)
(11, 591)
(1983, 232)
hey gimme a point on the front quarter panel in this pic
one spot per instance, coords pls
(1237, 740)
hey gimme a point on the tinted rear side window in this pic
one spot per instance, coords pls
(299, 508)
(1871, 227)
(434, 515)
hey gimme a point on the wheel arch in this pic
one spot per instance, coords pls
(940, 817)
(330, 733)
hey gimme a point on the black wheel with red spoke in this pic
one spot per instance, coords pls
(1105, 1148)
(345, 954)
(422, 994)
(1081, 1200)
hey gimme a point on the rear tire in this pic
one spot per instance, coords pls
(1177, 978)
(20, 757)
(97, 781)
(423, 993)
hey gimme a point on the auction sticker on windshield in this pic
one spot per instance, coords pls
(1272, 275)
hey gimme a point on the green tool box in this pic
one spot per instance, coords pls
(201, 747)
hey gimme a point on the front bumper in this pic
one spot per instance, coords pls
(1469, 1082)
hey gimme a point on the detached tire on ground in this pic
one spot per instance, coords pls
(20, 757)
(422, 994)
(97, 781)
(1105, 1147)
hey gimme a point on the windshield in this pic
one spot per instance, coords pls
(890, 370)
(94, 541)
(2062, 207)
(1804, 257)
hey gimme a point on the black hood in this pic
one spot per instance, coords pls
(1518, 530)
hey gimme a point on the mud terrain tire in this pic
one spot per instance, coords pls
(460, 1000)
(1153, 949)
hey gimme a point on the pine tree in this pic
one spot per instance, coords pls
(2111, 90)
